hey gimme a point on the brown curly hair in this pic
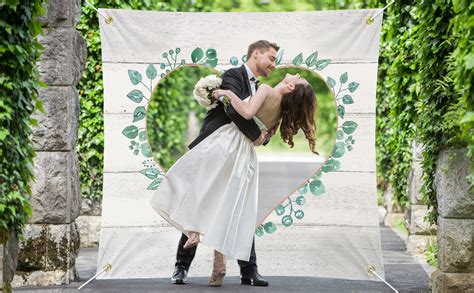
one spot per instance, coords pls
(297, 111)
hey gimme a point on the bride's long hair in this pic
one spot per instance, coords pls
(297, 112)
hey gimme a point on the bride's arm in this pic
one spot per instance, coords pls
(245, 109)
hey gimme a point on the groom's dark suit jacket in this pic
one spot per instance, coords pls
(236, 80)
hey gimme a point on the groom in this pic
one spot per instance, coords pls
(261, 58)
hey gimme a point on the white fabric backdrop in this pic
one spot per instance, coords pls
(338, 236)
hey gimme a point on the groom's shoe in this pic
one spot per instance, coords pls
(253, 279)
(179, 276)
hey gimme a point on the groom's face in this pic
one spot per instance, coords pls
(265, 61)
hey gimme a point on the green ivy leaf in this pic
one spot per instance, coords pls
(234, 61)
(341, 111)
(298, 60)
(300, 200)
(311, 60)
(259, 231)
(347, 100)
(142, 135)
(287, 221)
(331, 165)
(299, 214)
(197, 55)
(154, 185)
(353, 86)
(331, 82)
(211, 62)
(321, 64)
(343, 78)
(151, 173)
(280, 210)
(339, 134)
(135, 76)
(316, 187)
(145, 148)
(349, 127)
(130, 131)
(279, 56)
(151, 71)
(139, 113)
(269, 227)
(303, 189)
(211, 53)
(136, 96)
(339, 150)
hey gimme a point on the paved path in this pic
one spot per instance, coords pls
(401, 270)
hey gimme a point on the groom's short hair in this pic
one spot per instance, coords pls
(262, 46)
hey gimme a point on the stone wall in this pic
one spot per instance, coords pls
(455, 224)
(48, 252)
(420, 234)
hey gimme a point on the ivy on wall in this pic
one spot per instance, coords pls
(19, 80)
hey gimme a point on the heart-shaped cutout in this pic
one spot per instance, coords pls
(173, 113)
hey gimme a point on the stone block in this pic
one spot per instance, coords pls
(455, 245)
(455, 200)
(415, 181)
(63, 58)
(58, 126)
(415, 220)
(48, 254)
(441, 282)
(89, 230)
(55, 193)
(91, 207)
(389, 203)
(60, 13)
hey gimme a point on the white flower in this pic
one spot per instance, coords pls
(203, 91)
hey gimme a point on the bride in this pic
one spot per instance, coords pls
(210, 194)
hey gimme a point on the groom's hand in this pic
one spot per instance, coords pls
(261, 139)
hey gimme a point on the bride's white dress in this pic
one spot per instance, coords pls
(213, 190)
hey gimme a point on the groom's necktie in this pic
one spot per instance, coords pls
(256, 81)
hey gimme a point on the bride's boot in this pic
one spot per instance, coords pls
(218, 270)
(193, 240)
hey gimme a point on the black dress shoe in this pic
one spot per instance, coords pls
(179, 276)
(253, 279)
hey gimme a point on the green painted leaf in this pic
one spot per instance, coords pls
(136, 96)
(317, 175)
(269, 227)
(339, 150)
(244, 58)
(321, 64)
(154, 185)
(287, 221)
(145, 148)
(197, 55)
(298, 60)
(211, 53)
(234, 61)
(142, 135)
(299, 214)
(178, 50)
(349, 148)
(339, 134)
(151, 71)
(341, 111)
(130, 131)
(135, 76)
(331, 165)
(151, 173)
(303, 189)
(259, 231)
(316, 187)
(211, 62)
(353, 86)
(331, 82)
(349, 127)
(300, 200)
(280, 210)
(347, 100)
(311, 60)
(139, 113)
(279, 56)
(343, 78)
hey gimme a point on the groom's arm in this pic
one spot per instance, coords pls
(248, 127)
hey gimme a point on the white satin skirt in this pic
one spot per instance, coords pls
(213, 190)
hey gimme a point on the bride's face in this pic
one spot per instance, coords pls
(295, 79)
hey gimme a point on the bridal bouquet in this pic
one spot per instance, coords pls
(203, 91)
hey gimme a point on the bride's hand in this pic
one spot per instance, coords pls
(218, 93)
